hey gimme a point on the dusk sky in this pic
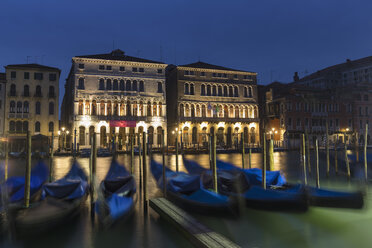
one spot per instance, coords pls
(273, 38)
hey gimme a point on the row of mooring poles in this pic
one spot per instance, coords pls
(306, 156)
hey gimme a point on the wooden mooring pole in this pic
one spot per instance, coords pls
(304, 158)
(365, 153)
(163, 158)
(317, 163)
(308, 152)
(132, 137)
(6, 156)
(250, 158)
(271, 155)
(347, 160)
(264, 162)
(144, 165)
(51, 153)
(214, 163)
(177, 151)
(336, 156)
(327, 148)
(28, 171)
(243, 151)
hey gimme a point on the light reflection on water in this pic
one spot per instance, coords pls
(317, 228)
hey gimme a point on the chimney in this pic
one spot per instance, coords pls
(296, 78)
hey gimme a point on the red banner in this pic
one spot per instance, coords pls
(122, 123)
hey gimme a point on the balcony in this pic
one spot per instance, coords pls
(119, 118)
(12, 94)
(19, 115)
(217, 119)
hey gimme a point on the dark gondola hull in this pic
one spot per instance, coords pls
(230, 209)
(335, 199)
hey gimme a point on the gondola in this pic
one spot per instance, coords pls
(236, 183)
(316, 197)
(12, 191)
(117, 195)
(60, 202)
(187, 192)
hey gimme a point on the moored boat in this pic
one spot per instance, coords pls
(316, 196)
(60, 202)
(238, 184)
(188, 192)
(117, 195)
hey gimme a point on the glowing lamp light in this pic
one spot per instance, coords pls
(67, 132)
(59, 132)
(276, 132)
(221, 124)
(347, 129)
(63, 129)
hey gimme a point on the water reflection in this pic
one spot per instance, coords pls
(317, 228)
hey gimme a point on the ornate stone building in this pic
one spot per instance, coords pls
(203, 98)
(31, 103)
(104, 88)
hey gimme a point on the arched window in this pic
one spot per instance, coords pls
(134, 86)
(12, 126)
(19, 107)
(187, 110)
(18, 127)
(38, 91)
(202, 90)
(245, 92)
(186, 88)
(194, 135)
(102, 108)
(204, 112)
(81, 84)
(12, 90)
(37, 127)
(197, 111)
(151, 135)
(191, 89)
(116, 109)
(141, 86)
(87, 108)
(101, 84)
(160, 87)
(154, 109)
(148, 108)
(160, 109)
(208, 90)
(51, 126)
(51, 108)
(82, 136)
(237, 112)
(94, 107)
(192, 111)
(51, 91)
(231, 93)
(109, 108)
(26, 90)
(214, 91)
(115, 85)
(219, 90)
(250, 92)
(80, 110)
(25, 107)
(25, 126)
(128, 86)
(236, 91)
(122, 85)
(129, 113)
(12, 107)
(225, 93)
(108, 84)
(182, 114)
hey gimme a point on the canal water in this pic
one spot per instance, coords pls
(319, 227)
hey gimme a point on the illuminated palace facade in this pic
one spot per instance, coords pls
(204, 98)
(103, 88)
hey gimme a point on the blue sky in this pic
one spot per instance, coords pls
(271, 37)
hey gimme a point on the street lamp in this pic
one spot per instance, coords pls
(64, 133)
